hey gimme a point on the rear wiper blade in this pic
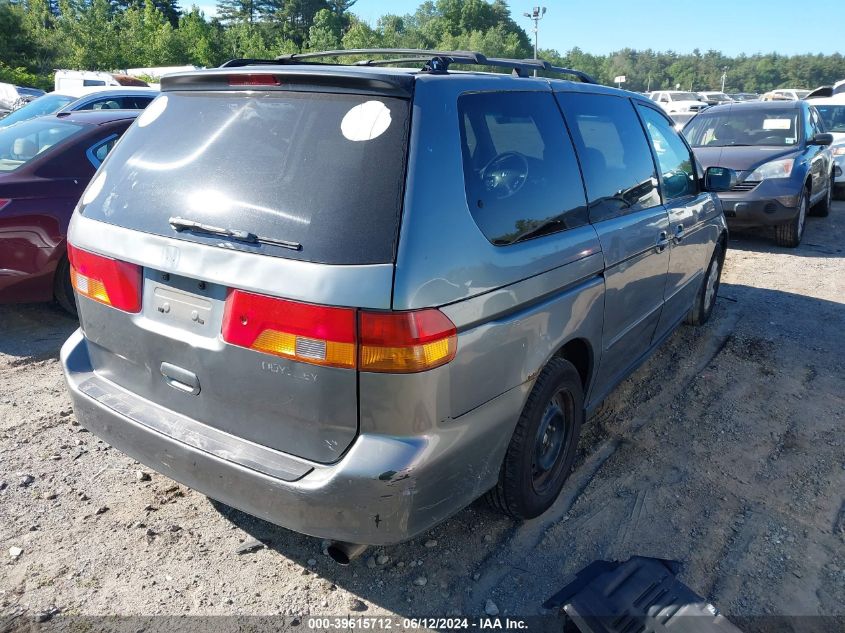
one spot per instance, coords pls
(181, 224)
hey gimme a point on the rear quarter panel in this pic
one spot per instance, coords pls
(514, 306)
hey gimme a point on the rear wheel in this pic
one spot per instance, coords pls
(790, 234)
(62, 288)
(542, 449)
(705, 301)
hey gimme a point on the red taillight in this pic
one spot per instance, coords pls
(254, 80)
(300, 331)
(406, 342)
(395, 342)
(4, 202)
(109, 281)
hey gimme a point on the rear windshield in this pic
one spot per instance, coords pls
(322, 172)
(22, 143)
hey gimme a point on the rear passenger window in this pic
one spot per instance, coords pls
(521, 174)
(97, 153)
(674, 157)
(615, 156)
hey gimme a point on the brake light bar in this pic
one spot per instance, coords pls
(392, 342)
(312, 334)
(105, 280)
(406, 342)
(254, 80)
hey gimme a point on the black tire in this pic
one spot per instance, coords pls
(62, 288)
(839, 192)
(705, 300)
(543, 445)
(790, 234)
(822, 209)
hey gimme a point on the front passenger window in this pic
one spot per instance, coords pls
(615, 155)
(673, 156)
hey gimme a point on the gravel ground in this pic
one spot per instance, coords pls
(725, 451)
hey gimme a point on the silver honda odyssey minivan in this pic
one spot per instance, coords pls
(351, 299)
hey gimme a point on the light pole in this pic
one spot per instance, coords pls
(724, 77)
(536, 14)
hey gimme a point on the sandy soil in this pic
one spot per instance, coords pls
(725, 451)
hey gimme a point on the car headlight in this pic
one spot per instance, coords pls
(773, 169)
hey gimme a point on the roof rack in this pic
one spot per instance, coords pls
(434, 61)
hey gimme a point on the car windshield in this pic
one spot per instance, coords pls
(751, 127)
(20, 144)
(833, 117)
(684, 96)
(37, 107)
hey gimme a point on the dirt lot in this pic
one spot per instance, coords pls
(725, 451)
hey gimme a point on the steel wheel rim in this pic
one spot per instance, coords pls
(712, 282)
(552, 441)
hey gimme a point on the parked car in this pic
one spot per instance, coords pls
(122, 98)
(714, 98)
(681, 119)
(785, 94)
(675, 101)
(45, 163)
(744, 96)
(832, 113)
(838, 152)
(12, 96)
(65, 80)
(780, 150)
(285, 349)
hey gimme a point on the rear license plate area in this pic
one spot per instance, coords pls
(188, 304)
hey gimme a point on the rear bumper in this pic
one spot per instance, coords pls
(384, 490)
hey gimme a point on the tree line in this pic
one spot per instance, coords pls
(37, 36)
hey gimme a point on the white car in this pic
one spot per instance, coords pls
(715, 98)
(673, 101)
(832, 113)
(785, 94)
(88, 98)
(74, 79)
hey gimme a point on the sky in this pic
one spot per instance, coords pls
(601, 26)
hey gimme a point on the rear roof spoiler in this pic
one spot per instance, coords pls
(316, 78)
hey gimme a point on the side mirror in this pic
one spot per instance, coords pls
(719, 179)
(821, 139)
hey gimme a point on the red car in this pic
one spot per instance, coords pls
(45, 165)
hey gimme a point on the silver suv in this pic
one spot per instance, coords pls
(351, 299)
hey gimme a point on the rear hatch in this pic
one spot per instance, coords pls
(257, 212)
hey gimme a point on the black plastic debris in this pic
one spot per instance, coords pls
(641, 595)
